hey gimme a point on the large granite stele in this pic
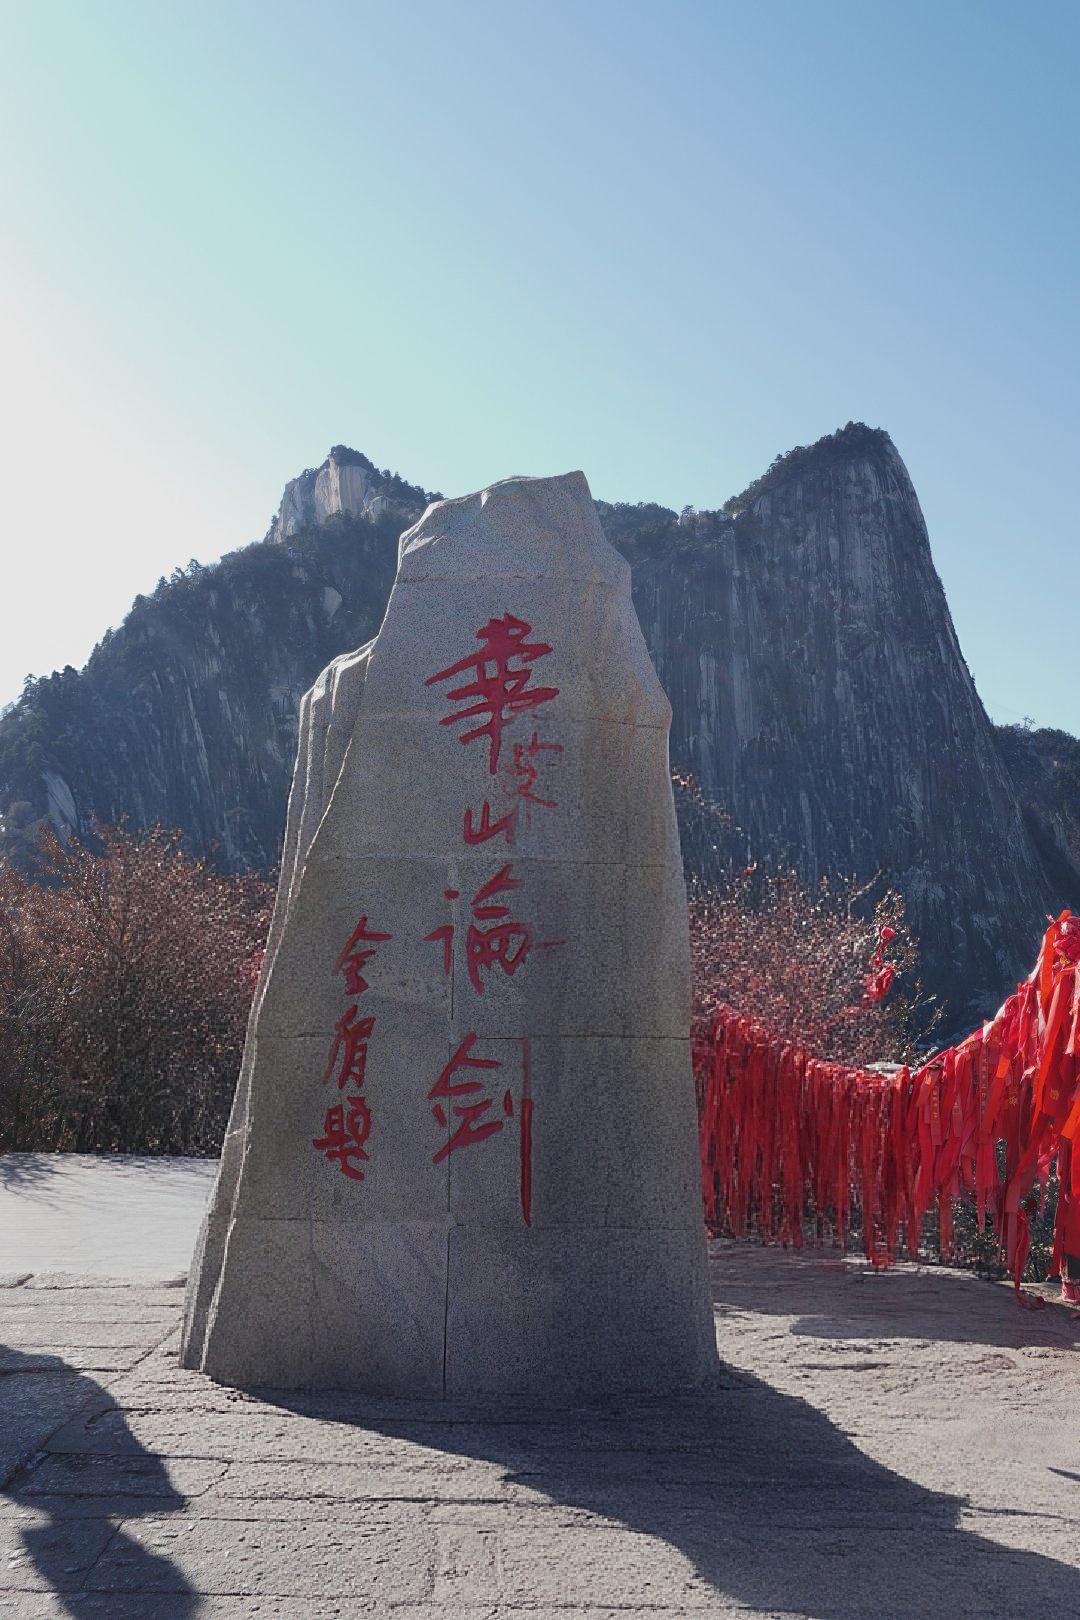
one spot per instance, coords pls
(461, 1160)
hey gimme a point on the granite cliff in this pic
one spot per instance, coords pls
(187, 714)
(1045, 767)
(801, 631)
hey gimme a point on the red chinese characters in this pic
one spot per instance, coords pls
(470, 1129)
(500, 689)
(520, 789)
(494, 938)
(347, 1123)
(350, 1038)
(346, 1127)
(482, 1117)
(527, 772)
(354, 956)
(497, 939)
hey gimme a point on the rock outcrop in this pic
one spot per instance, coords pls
(346, 485)
(187, 715)
(482, 917)
(802, 633)
(820, 694)
(1045, 768)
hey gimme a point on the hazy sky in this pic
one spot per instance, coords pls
(659, 241)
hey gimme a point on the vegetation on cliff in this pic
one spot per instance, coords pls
(816, 683)
(833, 450)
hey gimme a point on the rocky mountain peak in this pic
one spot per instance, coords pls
(837, 451)
(802, 634)
(346, 484)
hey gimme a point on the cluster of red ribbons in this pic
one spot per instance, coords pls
(789, 1141)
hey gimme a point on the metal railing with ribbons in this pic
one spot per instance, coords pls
(792, 1144)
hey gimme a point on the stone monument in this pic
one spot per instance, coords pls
(462, 1160)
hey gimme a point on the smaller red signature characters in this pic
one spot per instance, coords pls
(354, 956)
(494, 938)
(347, 1124)
(484, 1116)
(346, 1127)
(351, 1035)
(502, 670)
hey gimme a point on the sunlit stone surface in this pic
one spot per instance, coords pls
(461, 1159)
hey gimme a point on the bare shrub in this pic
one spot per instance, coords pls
(833, 968)
(126, 976)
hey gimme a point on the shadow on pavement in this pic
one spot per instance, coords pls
(772, 1506)
(21, 1170)
(892, 1305)
(37, 1395)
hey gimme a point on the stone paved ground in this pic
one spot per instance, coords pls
(901, 1444)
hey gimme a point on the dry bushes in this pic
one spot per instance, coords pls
(832, 967)
(126, 975)
(127, 969)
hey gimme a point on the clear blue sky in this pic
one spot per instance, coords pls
(661, 242)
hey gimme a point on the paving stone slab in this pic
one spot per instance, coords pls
(54, 1280)
(421, 1478)
(233, 1558)
(666, 1513)
(118, 1606)
(831, 1572)
(144, 1475)
(248, 1437)
(108, 1305)
(71, 1358)
(860, 1472)
(51, 1555)
(119, 1506)
(599, 1475)
(32, 1405)
(255, 1431)
(40, 1331)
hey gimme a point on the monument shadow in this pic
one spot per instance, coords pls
(772, 1506)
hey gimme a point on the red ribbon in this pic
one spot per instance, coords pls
(788, 1139)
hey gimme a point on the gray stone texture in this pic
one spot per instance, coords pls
(802, 635)
(896, 1444)
(558, 1255)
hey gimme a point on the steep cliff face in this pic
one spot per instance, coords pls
(821, 695)
(1045, 766)
(187, 715)
(802, 633)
